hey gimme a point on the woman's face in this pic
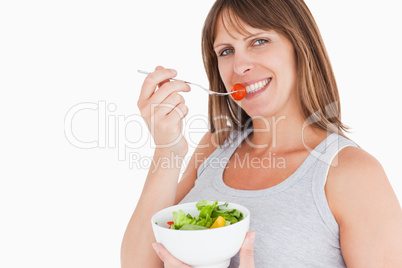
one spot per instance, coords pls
(263, 61)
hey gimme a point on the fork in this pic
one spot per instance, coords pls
(205, 89)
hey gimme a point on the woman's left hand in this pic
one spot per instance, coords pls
(246, 254)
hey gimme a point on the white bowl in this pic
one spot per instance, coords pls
(212, 248)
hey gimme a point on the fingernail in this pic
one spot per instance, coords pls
(173, 71)
(155, 246)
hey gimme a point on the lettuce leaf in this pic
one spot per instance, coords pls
(209, 211)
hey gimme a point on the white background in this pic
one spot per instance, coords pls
(64, 206)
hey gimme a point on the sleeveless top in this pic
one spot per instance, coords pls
(293, 222)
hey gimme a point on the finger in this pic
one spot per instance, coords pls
(179, 112)
(153, 79)
(164, 81)
(247, 251)
(168, 104)
(167, 258)
(167, 89)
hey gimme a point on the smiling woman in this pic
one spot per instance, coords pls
(269, 30)
(328, 204)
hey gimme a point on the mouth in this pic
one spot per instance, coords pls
(255, 87)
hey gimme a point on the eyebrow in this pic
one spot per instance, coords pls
(244, 39)
(253, 35)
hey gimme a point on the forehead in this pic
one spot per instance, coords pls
(229, 26)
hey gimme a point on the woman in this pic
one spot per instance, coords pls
(317, 199)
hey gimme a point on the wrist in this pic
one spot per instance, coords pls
(167, 160)
(180, 150)
(170, 152)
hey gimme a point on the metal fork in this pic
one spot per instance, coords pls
(206, 90)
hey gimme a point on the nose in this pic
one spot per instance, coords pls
(242, 63)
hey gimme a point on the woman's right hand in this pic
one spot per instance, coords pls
(163, 109)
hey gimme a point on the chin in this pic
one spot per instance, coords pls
(255, 112)
(259, 105)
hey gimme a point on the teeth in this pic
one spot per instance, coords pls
(257, 86)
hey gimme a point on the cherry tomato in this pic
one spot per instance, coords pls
(170, 224)
(241, 92)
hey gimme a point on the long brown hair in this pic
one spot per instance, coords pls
(317, 89)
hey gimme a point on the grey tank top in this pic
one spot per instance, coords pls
(293, 223)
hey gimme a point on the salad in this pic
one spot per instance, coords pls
(211, 216)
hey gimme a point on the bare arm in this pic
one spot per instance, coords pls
(163, 109)
(159, 192)
(161, 188)
(136, 247)
(367, 211)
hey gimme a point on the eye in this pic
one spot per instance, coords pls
(260, 42)
(226, 52)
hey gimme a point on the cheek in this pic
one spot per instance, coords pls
(286, 66)
(225, 73)
(291, 60)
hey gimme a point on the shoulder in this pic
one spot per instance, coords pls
(207, 145)
(354, 175)
(366, 208)
(357, 163)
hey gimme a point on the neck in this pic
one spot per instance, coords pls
(281, 134)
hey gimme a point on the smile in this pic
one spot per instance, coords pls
(257, 86)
